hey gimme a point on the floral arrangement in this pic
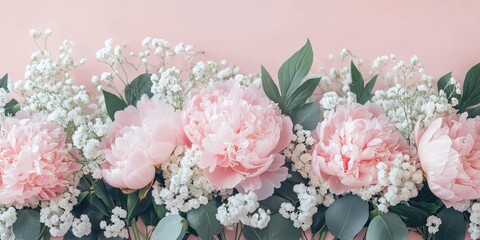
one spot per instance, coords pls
(193, 149)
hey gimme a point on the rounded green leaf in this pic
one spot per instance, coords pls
(204, 222)
(308, 116)
(27, 226)
(453, 225)
(387, 226)
(347, 216)
(170, 227)
(278, 228)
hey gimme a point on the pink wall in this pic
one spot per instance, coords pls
(444, 34)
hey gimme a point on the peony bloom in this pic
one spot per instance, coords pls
(351, 141)
(449, 152)
(34, 160)
(241, 133)
(140, 139)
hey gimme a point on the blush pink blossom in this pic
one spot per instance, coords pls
(241, 134)
(34, 160)
(352, 140)
(449, 152)
(139, 140)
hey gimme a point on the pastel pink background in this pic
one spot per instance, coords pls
(444, 34)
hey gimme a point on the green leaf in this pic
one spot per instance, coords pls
(135, 206)
(347, 216)
(357, 86)
(101, 191)
(113, 104)
(301, 95)
(430, 208)
(12, 107)
(139, 86)
(272, 203)
(204, 222)
(278, 228)
(449, 89)
(319, 219)
(453, 225)
(170, 227)
(411, 216)
(294, 70)
(471, 89)
(81, 197)
(97, 204)
(308, 116)
(27, 226)
(387, 226)
(4, 82)
(270, 88)
(286, 191)
(160, 210)
(473, 112)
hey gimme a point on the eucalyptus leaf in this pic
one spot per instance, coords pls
(170, 227)
(347, 216)
(471, 89)
(294, 70)
(270, 88)
(139, 86)
(308, 116)
(387, 226)
(204, 222)
(27, 226)
(113, 104)
(453, 225)
(278, 228)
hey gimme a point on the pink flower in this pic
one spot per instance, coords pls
(140, 139)
(449, 151)
(34, 160)
(241, 133)
(352, 140)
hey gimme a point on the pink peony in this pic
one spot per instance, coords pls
(449, 151)
(140, 139)
(351, 141)
(35, 162)
(241, 133)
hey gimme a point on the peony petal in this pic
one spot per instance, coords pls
(223, 178)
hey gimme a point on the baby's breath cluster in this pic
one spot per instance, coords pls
(433, 223)
(185, 186)
(117, 226)
(57, 214)
(8, 216)
(49, 87)
(308, 199)
(243, 208)
(81, 226)
(396, 183)
(315, 193)
(474, 226)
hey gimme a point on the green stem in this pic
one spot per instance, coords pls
(133, 223)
